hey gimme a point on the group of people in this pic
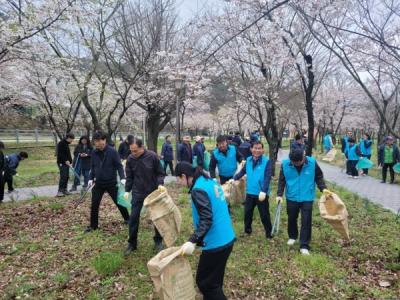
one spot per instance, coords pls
(388, 153)
(8, 169)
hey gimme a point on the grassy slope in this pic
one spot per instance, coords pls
(44, 254)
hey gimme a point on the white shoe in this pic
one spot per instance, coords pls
(291, 242)
(304, 251)
(355, 177)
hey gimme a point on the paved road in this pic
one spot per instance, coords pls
(384, 194)
(44, 191)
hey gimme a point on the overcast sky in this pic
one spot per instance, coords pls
(189, 8)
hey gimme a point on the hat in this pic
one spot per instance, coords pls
(184, 168)
(197, 138)
(296, 155)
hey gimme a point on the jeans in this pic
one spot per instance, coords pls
(263, 208)
(170, 165)
(391, 171)
(134, 222)
(64, 176)
(211, 271)
(293, 209)
(85, 174)
(352, 167)
(97, 194)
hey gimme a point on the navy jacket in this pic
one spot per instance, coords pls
(12, 161)
(84, 162)
(167, 152)
(237, 140)
(185, 153)
(143, 174)
(105, 165)
(294, 146)
(244, 149)
(381, 154)
(123, 150)
(198, 151)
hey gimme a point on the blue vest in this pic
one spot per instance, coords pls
(327, 142)
(227, 165)
(364, 150)
(300, 187)
(352, 153)
(221, 232)
(255, 177)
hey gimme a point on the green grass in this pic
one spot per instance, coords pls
(46, 255)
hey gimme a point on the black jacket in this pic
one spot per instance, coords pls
(319, 179)
(63, 152)
(2, 163)
(381, 154)
(237, 140)
(167, 152)
(185, 153)
(244, 149)
(143, 174)
(84, 161)
(124, 151)
(104, 166)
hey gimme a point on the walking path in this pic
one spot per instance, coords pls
(386, 195)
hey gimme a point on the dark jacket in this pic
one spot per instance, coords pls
(244, 149)
(105, 165)
(267, 174)
(167, 152)
(2, 163)
(185, 153)
(198, 151)
(319, 179)
(214, 162)
(12, 162)
(84, 162)
(124, 150)
(63, 152)
(143, 174)
(381, 154)
(237, 140)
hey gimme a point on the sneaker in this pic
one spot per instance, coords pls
(11, 191)
(131, 248)
(304, 251)
(89, 229)
(73, 189)
(291, 242)
(355, 177)
(66, 193)
(60, 194)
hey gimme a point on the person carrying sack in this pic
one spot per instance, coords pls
(353, 154)
(258, 169)
(298, 177)
(226, 158)
(144, 174)
(105, 164)
(213, 229)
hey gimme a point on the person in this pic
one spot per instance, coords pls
(144, 175)
(328, 143)
(64, 162)
(185, 151)
(213, 229)
(104, 165)
(388, 155)
(198, 152)
(2, 169)
(123, 149)
(225, 157)
(366, 149)
(258, 169)
(353, 155)
(12, 163)
(237, 139)
(167, 154)
(254, 137)
(344, 141)
(244, 148)
(297, 143)
(81, 163)
(202, 139)
(297, 178)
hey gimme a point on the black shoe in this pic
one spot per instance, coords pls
(11, 191)
(66, 193)
(89, 229)
(383, 181)
(269, 237)
(73, 189)
(131, 248)
(158, 246)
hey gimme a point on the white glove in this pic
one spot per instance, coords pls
(262, 196)
(188, 248)
(90, 183)
(126, 196)
(123, 181)
(231, 181)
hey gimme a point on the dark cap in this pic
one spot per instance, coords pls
(296, 155)
(184, 168)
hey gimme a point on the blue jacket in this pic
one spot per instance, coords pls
(167, 152)
(353, 152)
(211, 219)
(226, 162)
(12, 161)
(327, 142)
(366, 147)
(198, 154)
(299, 182)
(381, 154)
(259, 175)
(105, 165)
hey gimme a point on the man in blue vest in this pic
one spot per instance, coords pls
(259, 171)
(353, 154)
(366, 149)
(225, 157)
(345, 145)
(328, 144)
(298, 177)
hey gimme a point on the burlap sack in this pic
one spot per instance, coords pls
(172, 275)
(334, 211)
(235, 193)
(330, 156)
(165, 215)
